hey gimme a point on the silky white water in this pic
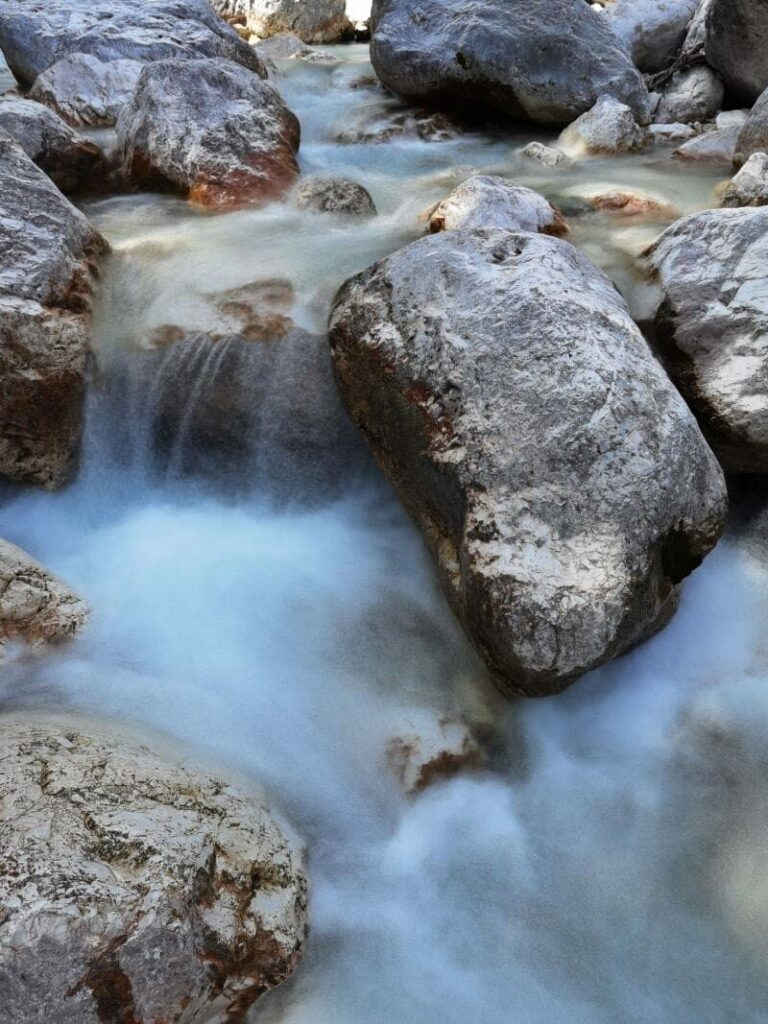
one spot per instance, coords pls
(609, 866)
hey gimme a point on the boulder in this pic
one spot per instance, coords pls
(133, 889)
(35, 606)
(38, 33)
(670, 134)
(559, 479)
(753, 135)
(628, 203)
(712, 326)
(695, 94)
(652, 30)
(290, 47)
(70, 161)
(313, 21)
(609, 127)
(536, 60)
(547, 156)
(334, 195)
(48, 256)
(750, 186)
(715, 147)
(210, 130)
(737, 45)
(433, 748)
(84, 90)
(485, 201)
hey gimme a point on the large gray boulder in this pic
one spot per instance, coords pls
(35, 606)
(37, 33)
(70, 161)
(652, 30)
(135, 890)
(712, 326)
(536, 60)
(486, 201)
(48, 256)
(737, 45)
(211, 130)
(84, 90)
(693, 95)
(313, 21)
(753, 136)
(559, 479)
(607, 128)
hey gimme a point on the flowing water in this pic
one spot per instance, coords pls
(259, 595)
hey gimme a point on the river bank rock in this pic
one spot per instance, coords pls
(73, 163)
(736, 45)
(652, 30)
(210, 130)
(313, 21)
(546, 61)
(134, 889)
(712, 323)
(84, 90)
(750, 186)
(35, 606)
(48, 260)
(608, 127)
(714, 147)
(485, 201)
(559, 479)
(334, 195)
(693, 95)
(753, 136)
(38, 33)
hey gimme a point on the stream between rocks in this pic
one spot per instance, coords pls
(276, 612)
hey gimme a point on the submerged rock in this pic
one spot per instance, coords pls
(609, 127)
(211, 130)
(712, 325)
(73, 163)
(750, 186)
(753, 135)
(547, 156)
(538, 60)
(335, 195)
(135, 890)
(38, 33)
(560, 480)
(35, 606)
(652, 30)
(434, 749)
(736, 45)
(402, 124)
(485, 201)
(695, 94)
(313, 21)
(48, 255)
(84, 90)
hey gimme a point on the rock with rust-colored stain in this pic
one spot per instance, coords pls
(135, 890)
(433, 748)
(560, 480)
(48, 261)
(631, 204)
(487, 201)
(211, 130)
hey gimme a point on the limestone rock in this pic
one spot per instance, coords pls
(547, 156)
(35, 606)
(750, 186)
(609, 127)
(84, 90)
(399, 124)
(715, 147)
(434, 748)
(38, 33)
(753, 135)
(313, 21)
(670, 134)
(211, 130)
(652, 30)
(485, 201)
(695, 94)
(70, 161)
(538, 60)
(712, 325)
(334, 195)
(135, 890)
(737, 45)
(48, 254)
(560, 480)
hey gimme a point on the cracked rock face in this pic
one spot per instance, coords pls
(712, 326)
(35, 606)
(84, 90)
(313, 21)
(211, 130)
(539, 60)
(48, 259)
(38, 33)
(485, 201)
(134, 890)
(561, 482)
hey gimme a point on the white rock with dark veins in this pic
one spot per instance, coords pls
(84, 90)
(609, 127)
(35, 606)
(485, 201)
(559, 479)
(48, 255)
(749, 187)
(135, 890)
(211, 130)
(712, 325)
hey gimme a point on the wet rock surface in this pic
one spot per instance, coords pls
(486, 201)
(134, 889)
(609, 127)
(334, 195)
(529, 495)
(436, 748)
(84, 90)
(313, 21)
